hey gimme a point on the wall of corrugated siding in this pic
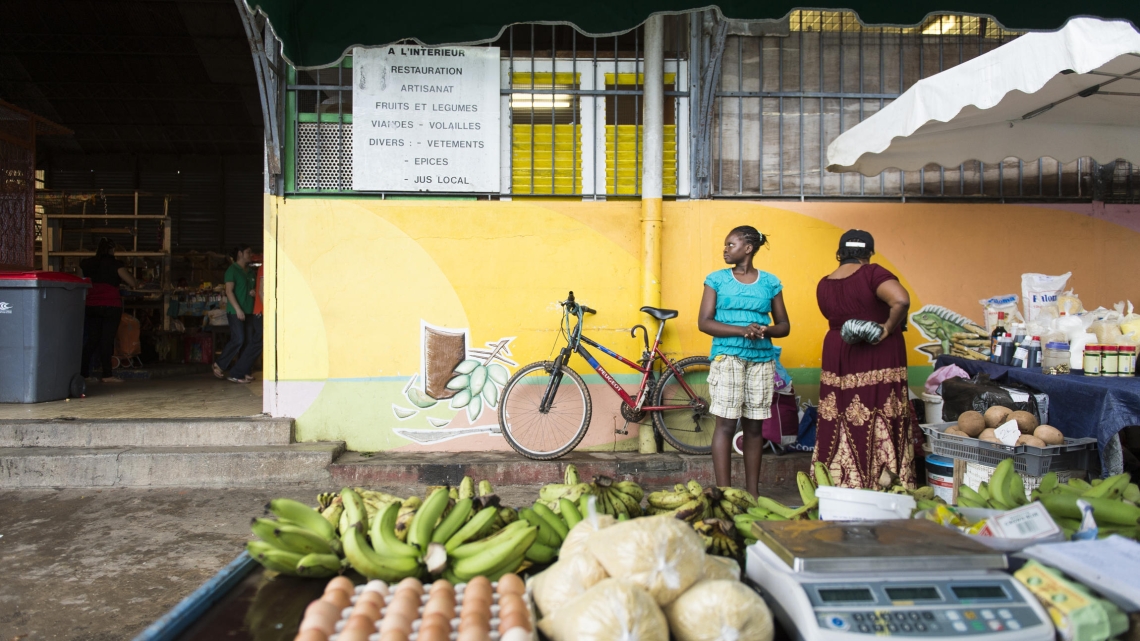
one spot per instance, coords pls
(218, 199)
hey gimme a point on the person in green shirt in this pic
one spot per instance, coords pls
(239, 310)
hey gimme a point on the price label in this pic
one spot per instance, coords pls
(1008, 433)
(1027, 522)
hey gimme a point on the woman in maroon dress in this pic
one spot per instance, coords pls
(865, 416)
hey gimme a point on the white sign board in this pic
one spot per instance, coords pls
(425, 119)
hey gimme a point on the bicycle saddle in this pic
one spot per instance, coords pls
(660, 314)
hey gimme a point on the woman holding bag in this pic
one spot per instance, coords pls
(865, 417)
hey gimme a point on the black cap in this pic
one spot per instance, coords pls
(856, 239)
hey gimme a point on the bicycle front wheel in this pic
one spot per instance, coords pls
(690, 427)
(544, 435)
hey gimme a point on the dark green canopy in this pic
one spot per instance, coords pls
(318, 32)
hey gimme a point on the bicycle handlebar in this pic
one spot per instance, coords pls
(574, 307)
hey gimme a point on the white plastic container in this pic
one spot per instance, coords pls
(845, 504)
(933, 404)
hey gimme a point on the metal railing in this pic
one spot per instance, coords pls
(783, 98)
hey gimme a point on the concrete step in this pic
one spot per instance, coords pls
(248, 466)
(175, 432)
(507, 468)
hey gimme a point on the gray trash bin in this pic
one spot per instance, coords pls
(41, 335)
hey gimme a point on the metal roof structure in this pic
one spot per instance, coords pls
(170, 77)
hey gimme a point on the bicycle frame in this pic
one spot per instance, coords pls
(574, 346)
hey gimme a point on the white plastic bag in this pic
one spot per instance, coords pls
(719, 567)
(720, 611)
(661, 554)
(575, 541)
(612, 610)
(1039, 290)
(571, 576)
(1008, 304)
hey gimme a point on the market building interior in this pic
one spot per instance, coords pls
(149, 133)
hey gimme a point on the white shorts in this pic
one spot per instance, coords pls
(738, 387)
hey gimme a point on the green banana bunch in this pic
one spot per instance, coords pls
(806, 487)
(822, 475)
(466, 489)
(719, 537)
(301, 542)
(1113, 500)
(499, 554)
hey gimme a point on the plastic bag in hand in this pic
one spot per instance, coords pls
(720, 611)
(660, 553)
(860, 331)
(612, 610)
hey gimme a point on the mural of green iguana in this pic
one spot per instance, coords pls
(954, 334)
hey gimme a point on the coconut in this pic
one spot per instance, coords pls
(1049, 434)
(971, 422)
(997, 415)
(1029, 439)
(1026, 422)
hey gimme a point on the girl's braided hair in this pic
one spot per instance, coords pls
(750, 235)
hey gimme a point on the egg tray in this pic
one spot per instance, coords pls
(494, 634)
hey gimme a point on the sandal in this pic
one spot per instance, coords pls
(243, 381)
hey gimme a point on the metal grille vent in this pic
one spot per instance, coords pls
(324, 156)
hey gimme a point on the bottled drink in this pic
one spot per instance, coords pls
(995, 345)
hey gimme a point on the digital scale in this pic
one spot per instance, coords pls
(910, 579)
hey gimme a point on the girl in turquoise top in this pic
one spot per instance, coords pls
(742, 309)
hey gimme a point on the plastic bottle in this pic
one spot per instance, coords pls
(1033, 353)
(1055, 358)
(1005, 349)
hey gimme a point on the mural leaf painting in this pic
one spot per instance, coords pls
(952, 333)
(470, 380)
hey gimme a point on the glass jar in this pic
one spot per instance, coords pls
(1127, 360)
(1055, 358)
(1110, 360)
(1092, 360)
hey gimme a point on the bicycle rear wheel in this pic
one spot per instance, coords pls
(690, 430)
(544, 436)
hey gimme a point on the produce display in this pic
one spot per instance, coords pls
(471, 611)
(647, 579)
(983, 427)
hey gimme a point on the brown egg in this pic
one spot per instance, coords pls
(339, 598)
(411, 583)
(476, 620)
(473, 634)
(393, 635)
(396, 621)
(511, 584)
(440, 607)
(354, 635)
(514, 620)
(476, 600)
(321, 615)
(441, 584)
(366, 608)
(479, 582)
(341, 583)
(405, 602)
(360, 622)
(312, 634)
(434, 633)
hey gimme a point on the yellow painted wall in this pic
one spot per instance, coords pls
(353, 281)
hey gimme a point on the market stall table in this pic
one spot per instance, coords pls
(1079, 406)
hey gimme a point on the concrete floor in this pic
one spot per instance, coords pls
(102, 565)
(194, 396)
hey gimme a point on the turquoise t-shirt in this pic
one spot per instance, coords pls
(739, 304)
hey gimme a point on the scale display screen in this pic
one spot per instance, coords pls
(913, 594)
(979, 592)
(845, 595)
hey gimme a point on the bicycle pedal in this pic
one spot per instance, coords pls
(624, 431)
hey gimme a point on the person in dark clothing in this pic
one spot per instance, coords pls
(104, 307)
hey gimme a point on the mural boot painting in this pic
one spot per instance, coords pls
(469, 379)
(954, 334)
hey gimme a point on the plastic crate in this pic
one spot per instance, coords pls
(1075, 454)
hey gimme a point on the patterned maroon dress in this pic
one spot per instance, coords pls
(865, 416)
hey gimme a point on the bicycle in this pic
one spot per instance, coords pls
(546, 407)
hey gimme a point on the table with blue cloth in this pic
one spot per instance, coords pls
(1079, 406)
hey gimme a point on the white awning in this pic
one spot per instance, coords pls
(1067, 94)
